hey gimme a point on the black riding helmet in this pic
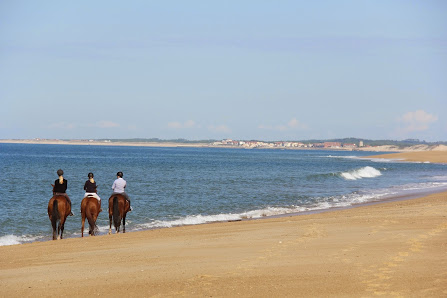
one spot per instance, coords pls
(90, 175)
(120, 174)
(60, 172)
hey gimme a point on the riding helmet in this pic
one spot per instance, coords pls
(60, 172)
(120, 174)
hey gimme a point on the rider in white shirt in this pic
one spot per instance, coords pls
(119, 185)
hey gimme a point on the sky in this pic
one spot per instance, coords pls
(245, 70)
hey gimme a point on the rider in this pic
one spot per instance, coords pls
(119, 185)
(60, 186)
(90, 188)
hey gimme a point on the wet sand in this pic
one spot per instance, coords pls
(392, 249)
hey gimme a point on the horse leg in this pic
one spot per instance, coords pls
(61, 226)
(62, 231)
(54, 225)
(95, 227)
(124, 223)
(83, 222)
(110, 226)
(59, 231)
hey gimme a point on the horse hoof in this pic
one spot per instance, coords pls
(59, 238)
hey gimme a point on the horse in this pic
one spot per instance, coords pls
(90, 208)
(58, 210)
(118, 208)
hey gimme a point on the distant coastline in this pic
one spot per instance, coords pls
(228, 144)
(101, 143)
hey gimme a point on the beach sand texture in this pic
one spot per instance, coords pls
(417, 156)
(392, 249)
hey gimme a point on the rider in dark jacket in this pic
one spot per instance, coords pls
(60, 187)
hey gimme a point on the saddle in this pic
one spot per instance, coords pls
(93, 196)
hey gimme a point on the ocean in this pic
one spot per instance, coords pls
(187, 186)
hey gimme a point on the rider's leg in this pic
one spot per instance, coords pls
(69, 201)
(127, 198)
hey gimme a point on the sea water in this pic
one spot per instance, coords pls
(184, 186)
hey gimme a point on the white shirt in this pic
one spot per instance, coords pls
(119, 185)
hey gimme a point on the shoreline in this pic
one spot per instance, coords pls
(96, 143)
(363, 251)
(389, 199)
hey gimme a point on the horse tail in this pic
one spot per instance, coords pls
(116, 213)
(91, 223)
(55, 214)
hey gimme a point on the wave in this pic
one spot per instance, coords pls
(365, 172)
(202, 219)
(373, 159)
(13, 239)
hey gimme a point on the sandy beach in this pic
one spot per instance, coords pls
(390, 249)
(417, 156)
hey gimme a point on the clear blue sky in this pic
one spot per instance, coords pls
(269, 70)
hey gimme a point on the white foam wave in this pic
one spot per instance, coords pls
(201, 219)
(378, 160)
(365, 172)
(440, 178)
(13, 239)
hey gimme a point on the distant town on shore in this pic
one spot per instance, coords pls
(346, 144)
(281, 144)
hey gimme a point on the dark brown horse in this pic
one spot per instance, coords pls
(118, 208)
(58, 210)
(90, 208)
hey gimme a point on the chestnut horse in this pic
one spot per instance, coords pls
(118, 208)
(90, 208)
(58, 210)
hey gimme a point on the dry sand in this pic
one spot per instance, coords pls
(418, 156)
(393, 249)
